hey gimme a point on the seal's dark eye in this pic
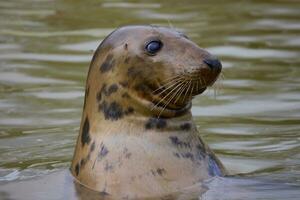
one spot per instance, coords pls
(153, 47)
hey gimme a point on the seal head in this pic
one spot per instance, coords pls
(137, 136)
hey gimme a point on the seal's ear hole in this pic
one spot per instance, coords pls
(153, 47)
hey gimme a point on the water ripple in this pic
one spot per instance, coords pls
(46, 57)
(19, 78)
(130, 5)
(242, 52)
(84, 32)
(83, 46)
(58, 95)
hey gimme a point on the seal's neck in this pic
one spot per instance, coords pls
(150, 107)
(125, 109)
(115, 103)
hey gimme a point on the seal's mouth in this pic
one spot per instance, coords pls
(179, 91)
(200, 80)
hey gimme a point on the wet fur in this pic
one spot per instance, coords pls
(127, 148)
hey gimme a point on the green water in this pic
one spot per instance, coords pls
(251, 118)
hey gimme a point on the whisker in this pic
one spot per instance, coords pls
(186, 92)
(170, 99)
(201, 82)
(167, 98)
(168, 83)
(191, 93)
(170, 78)
(181, 91)
(162, 99)
(204, 81)
(222, 76)
(166, 88)
(218, 85)
(166, 80)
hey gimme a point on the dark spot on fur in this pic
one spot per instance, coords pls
(129, 110)
(144, 89)
(99, 94)
(176, 154)
(108, 166)
(125, 46)
(85, 135)
(82, 162)
(177, 142)
(133, 72)
(103, 151)
(188, 155)
(160, 171)
(108, 64)
(93, 147)
(112, 111)
(127, 153)
(185, 126)
(77, 169)
(153, 172)
(106, 91)
(200, 152)
(113, 88)
(156, 123)
(101, 154)
(161, 123)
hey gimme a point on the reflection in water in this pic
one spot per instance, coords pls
(61, 185)
(252, 124)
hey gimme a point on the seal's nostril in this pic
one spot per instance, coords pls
(213, 63)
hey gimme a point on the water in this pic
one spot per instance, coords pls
(251, 118)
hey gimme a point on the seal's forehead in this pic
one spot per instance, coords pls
(134, 32)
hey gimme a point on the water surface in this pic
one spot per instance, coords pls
(251, 118)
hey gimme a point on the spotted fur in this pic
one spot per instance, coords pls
(157, 123)
(85, 135)
(112, 111)
(186, 126)
(133, 138)
(107, 64)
